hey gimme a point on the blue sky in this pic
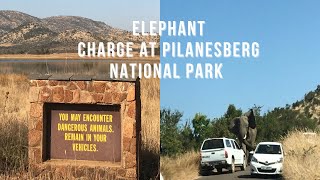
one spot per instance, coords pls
(287, 31)
(288, 66)
(115, 13)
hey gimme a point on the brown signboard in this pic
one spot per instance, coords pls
(85, 135)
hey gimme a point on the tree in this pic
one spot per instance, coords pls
(187, 137)
(169, 131)
(200, 124)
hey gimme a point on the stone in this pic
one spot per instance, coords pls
(128, 128)
(124, 86)
(34, 94)
(121, 172)
(114, 87)
(34, 137)
(97, 97)
(82, 85)
(57, 94)
(134, 127)
(133, 146)
(130, 160)
(126, 143)
(107, 98)
(90, 87)
(39, 125)
(85, 97)
(71, 86)
(64, 83)
(131, 173)
(68, 96)
(131, 94)
(33, 83)
(131, 109)
(53, 83)
(37, 155)
(42, 83)
(118, 97)
(45, 94)
(76, 96)
(35, 110)
(99, 86)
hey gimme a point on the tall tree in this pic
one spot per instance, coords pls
(201, 127)
(169, 131)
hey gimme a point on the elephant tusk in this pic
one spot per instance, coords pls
(245, 136)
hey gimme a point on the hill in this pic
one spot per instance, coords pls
(21, 33)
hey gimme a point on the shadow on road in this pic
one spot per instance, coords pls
(247, 176)
(212, 173)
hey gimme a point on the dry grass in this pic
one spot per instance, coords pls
(150, 132)
(184, 166)
(14, 109)
(302, 160)
(150, 116)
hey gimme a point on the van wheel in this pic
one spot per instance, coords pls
(232, 167)
(219, 170)
(204, 172)
(244, 165)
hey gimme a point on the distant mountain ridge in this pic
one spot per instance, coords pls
(22, 33)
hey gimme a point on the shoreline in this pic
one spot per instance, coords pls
(67, 56)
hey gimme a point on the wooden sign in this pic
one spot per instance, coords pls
(81, 134)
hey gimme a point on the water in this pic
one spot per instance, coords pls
(85, 67)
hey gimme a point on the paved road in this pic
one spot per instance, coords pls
(237, 175)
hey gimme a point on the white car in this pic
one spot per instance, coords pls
(218, 153)
(267, 159)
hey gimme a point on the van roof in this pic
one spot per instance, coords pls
(219, 138)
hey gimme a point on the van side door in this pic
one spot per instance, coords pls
(240, 152)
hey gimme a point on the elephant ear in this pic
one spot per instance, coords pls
(251, 119)
(234, 125)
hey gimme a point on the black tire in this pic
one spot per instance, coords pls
(232, 167)
(219, 170)
(244, 164)
(204, 172)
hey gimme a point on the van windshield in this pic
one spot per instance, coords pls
(268, 149)
(213, 144)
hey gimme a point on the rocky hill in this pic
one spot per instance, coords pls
(310, 104)
(12, 19)
(23, 33)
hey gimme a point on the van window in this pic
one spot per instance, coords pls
(237, 145)
(233, 145)
(228, 143)
(213, 144)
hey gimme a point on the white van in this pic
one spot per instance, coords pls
(218, 153)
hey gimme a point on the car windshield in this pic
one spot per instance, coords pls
(213, 144)
(268, 149)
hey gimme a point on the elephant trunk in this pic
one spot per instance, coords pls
(249, 146)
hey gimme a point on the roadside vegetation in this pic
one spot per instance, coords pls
(181, 138)
(302, 158)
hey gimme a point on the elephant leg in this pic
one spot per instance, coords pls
(249, 146)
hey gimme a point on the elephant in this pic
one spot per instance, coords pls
(244, 127)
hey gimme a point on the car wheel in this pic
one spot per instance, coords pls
(244, 165)
(232, 167)
(219, 170)
(204, 172)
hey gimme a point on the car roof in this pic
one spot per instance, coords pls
(218, 138)
(269, 143)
